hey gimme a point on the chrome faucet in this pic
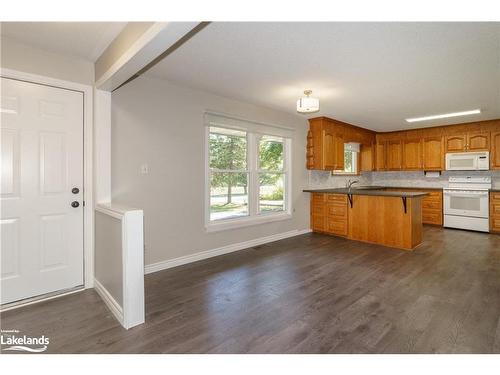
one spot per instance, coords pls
(350, 183)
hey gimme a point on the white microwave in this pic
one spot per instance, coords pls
(468, 161)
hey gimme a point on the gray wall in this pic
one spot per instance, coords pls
(108, 255)
(28, 59)
(161, 124)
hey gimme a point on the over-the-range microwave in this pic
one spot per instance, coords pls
(468, 161)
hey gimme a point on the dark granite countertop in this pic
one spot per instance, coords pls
(374, 191)
(410, 187)
(495, 190)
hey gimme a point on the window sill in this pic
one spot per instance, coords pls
(246, 222)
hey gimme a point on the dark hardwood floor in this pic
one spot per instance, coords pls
(307, 294)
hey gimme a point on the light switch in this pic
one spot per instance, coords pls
(144, 169)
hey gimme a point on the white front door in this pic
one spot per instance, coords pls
(42, 175)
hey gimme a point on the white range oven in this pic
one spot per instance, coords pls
(466, 203)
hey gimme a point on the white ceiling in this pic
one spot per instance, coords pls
(86, 40)
(371, 74)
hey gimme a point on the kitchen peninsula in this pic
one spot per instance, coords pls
(369, 214)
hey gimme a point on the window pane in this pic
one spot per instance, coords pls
(228, 149)
(348, 162)
(271, 192)
(271, 153)
(228, 195)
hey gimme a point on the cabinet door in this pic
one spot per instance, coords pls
(495, 150)
(478, 141)
(367, 158)
(318, 212)
(394, 155)
(433, 154)
(333, 150)
(456, 143)
(380, 158)
(412, 154)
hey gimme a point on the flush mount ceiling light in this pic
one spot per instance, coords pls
(307, 104)
(445, 115)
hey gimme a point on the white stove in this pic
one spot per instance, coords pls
(466, 203)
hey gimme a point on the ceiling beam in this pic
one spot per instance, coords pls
(136, 48)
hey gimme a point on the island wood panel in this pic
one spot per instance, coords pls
(432, 205)
(382, 220)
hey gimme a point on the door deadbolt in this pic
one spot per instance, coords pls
(75, 190)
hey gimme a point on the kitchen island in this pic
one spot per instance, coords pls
(370, 214)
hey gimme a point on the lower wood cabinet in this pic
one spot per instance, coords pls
(495, 212)
(336, 214)
(329, 213)
(318, 212)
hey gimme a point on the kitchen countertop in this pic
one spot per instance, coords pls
(373, 191)
(496, 190)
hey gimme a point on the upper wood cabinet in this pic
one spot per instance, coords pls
(333, 149)
(367, 156)
(478, 141)
(456, 143)
(433, 154)
(325, 146)
(380, 156)
(412, 154)
(468, 142)
(495, 150)
(394, 155)
(416, 149)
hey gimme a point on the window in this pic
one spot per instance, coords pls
(247, 174)
(350, 161)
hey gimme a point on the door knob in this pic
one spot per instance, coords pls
(75, 190)
(75, 204)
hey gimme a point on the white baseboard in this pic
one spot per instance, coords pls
(155, 267)
(108, 299)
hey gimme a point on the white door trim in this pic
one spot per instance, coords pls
(88, 209)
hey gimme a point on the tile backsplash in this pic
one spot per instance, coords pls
(322, 180)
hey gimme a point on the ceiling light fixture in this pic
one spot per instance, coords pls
(445, 115)
(307, 104)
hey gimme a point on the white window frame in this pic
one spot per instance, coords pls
(254, 216)
(355, 156)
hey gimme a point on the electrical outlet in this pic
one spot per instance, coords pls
(144, 168)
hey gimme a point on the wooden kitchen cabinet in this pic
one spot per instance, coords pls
(336, 214)
(412, 154)
(456, 143)
(380, 156)
(394, 155)
(495, 150)
(367, 156)
(478, 141)
(495, 211)
(318, 212)
(468, 142)
(433, 154)
(325, 146)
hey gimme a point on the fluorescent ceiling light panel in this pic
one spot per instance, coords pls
(445, 115)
